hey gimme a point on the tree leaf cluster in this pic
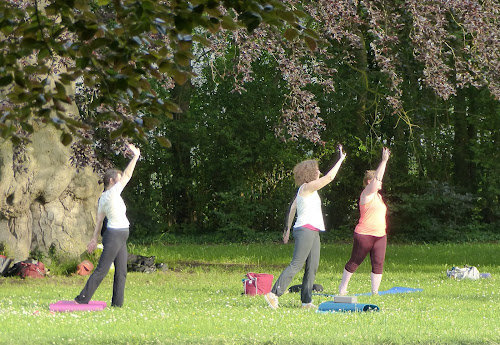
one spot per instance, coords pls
(228, 178)
(116, 47)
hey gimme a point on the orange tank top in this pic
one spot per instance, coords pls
(372, 218)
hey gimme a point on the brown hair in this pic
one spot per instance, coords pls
(111, 174)
(305, 171)
(369, 175)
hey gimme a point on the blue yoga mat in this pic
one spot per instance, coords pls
(332, 307)
(391, 291)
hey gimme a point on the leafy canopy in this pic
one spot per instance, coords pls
(115, 47)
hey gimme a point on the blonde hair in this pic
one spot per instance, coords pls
(305, 171)
(369, 175)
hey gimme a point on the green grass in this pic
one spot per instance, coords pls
(199, 301)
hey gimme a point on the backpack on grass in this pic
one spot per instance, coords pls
(84, 268)
(140, 263)
(297, 288)
(468, 272)
(27, 268)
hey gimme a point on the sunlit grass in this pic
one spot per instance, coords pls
(199, 301)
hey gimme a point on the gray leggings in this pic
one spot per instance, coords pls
(115, 251)
(307, 249)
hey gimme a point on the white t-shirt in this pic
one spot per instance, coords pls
(309, 211)
(112, 205)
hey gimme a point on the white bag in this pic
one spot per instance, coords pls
(468, 272)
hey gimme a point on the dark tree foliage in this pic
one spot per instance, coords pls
(227, 176)
(114, 47)
(240, 105)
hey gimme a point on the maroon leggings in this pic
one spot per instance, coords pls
(364, 244)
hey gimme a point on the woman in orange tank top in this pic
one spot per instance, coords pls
(370, 233)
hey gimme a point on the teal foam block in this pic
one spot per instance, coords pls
(332, 307)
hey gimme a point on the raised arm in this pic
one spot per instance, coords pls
(129, 170)
(315, 185)
(376, 184)
(379, 173)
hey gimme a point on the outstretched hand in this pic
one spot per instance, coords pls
(385, 154)
(341, 152)
(135, 151)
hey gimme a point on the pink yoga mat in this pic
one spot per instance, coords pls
(73, 306)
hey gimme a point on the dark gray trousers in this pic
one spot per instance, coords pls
(114, 251)
(307, 250)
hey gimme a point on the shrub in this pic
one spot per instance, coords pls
(439, 213)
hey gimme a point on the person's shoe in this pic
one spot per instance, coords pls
(77, 301)
(308, 306)
(272, 300)
(343, 293)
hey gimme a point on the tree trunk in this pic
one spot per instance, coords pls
(45, 202)
(462, 155)
(181, 149)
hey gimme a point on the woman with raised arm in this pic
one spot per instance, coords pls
(115, 237)
(370, 234)
(306, 230)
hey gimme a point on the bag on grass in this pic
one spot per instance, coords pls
(84, 268)
(140, 263)
(297, 288)
(27, 268)
(468, 272)
(33, 269)
(15, 270)
(257, 284)
(4, 265)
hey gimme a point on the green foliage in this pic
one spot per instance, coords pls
(228, 178)
(437, 214)
(63, 265)
(59, 263)
(237, 218)
(227, 174)
(113, 46)
(37, 254)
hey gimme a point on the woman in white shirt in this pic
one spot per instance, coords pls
(115, 237)
(306, 230)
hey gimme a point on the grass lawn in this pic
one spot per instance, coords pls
(199, 301)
